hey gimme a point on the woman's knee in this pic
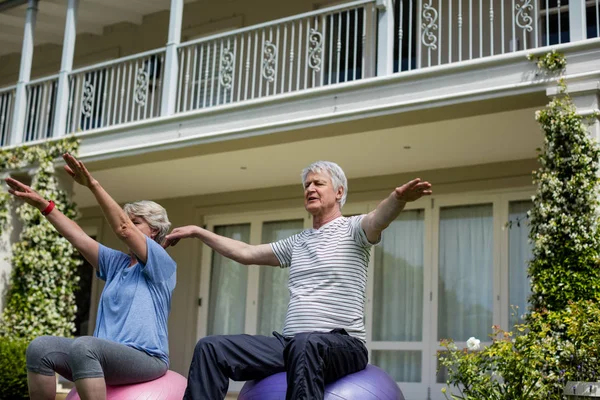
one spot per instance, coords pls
(82, 348)
(38, 348)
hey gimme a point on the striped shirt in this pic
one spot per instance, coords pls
(328, 277)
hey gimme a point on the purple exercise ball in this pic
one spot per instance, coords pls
(372, 383)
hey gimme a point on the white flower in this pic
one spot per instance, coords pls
(473, 344)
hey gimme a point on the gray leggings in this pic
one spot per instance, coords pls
(90, 357)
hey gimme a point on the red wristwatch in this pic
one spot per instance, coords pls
(48, 209)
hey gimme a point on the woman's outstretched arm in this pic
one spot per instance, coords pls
(87, 246)
(118, 220)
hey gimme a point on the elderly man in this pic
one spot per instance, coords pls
(323, 336)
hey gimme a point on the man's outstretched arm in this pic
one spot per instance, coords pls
(236, 250)
(388, 210)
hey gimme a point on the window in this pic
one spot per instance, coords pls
(465, 292)
(519, 253)
(273, 289)
(398, 290)
(228, 282)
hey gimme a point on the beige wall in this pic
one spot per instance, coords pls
(119, 40)
(183, 211)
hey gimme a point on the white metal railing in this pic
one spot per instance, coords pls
(116, 92)
(593, 18)
(436, 32)
(7, 98)
(39, 113)
(309, 50)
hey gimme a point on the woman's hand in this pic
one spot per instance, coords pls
(22, 191)
(78, 171)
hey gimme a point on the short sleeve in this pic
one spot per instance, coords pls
(283, 250)
(159, 265)
(358, 233)
(109, 262)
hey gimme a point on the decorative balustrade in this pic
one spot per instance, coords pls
(39, 114)
(116, 92)
(7, 98)
(307, 51)
(436, 32)
(311, 50)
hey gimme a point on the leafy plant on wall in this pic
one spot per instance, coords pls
(41, 295)
(564, 217)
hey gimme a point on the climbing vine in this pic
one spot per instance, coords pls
(41, 295)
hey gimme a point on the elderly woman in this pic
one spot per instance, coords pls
(130, 343)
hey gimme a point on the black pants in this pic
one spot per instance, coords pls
(310, 359)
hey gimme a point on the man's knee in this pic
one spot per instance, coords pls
(208, 345)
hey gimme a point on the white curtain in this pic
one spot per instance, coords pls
(273, 289)
(398, 295)
(519, 253)
(465, 278)
(228, 284)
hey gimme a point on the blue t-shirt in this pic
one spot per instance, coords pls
(136, 301)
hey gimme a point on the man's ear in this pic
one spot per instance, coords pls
(339, 194)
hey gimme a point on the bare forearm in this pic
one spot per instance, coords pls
(386, 212)
(87, 246)
(227, 247)
(116, 217)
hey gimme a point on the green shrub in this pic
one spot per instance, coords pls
(13, 372)
(532, 362)
(512, 368)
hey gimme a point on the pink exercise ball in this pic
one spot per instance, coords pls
(170, 386)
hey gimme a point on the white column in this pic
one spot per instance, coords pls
(385, 37)
(20, 105)
(577, 21)
(169, 96)
(66, 65)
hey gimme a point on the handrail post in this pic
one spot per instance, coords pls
(169, 95)
(19, 110)
(62, 95)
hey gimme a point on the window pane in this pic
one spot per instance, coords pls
(228, 283)
(403, 366)
(519, 253)
(465, 285)
(273, 287)
(398, 286)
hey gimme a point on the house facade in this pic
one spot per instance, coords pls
(212, 109)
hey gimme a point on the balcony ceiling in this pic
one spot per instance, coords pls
(93, 16)
(458, 142)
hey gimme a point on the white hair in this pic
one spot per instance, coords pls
(338, 178)
(153, 213)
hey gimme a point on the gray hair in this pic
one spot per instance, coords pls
(338, 178)
(153, 213)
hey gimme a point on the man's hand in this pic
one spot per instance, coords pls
(180, 233)
(78, 171)
(412, 190)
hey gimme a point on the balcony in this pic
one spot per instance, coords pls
(311, 52)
